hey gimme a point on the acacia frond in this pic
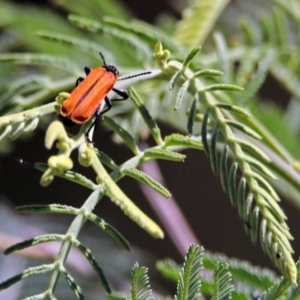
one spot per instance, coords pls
(136, 47)
(189, 284)
(198, 19)
(95, 8)
(243, 272)
(140, 289)
(282, 287)
(222, 282)
(253, 195)
(62, 63)
(276, 33)
(274, 234)
(82, 44)
(143, 31)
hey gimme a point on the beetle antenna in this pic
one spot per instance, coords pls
(136, 75)
(102, 57)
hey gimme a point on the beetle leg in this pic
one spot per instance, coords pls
(121, 93)
(98, 113)
(87, 70)
(78, 81)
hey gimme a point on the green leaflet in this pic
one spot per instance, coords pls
(234, 109)
(182, 141)
(89, 256)
(146, 179)
(125, 135)
(154, 129)
(154, 153)
(245, 129)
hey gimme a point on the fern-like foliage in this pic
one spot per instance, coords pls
(250, 191)
(189, 284)
(140, 289)
(234, 141)
(198, 19)
(233, 279)
(222, 282)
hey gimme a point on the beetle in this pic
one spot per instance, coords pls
(90, 95)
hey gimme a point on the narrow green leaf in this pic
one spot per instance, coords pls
(254, 224)
(34, 241)
(69, 175)
(207, 72)
(5, 131)
(253, 150)
(16, 131)
(224, 169)
(26, 273)
(181, 93)
(155, 153)
(263, 234)
(105, 159)
(153, 127)
(247, 212)
(191, 117)
(126, 137)
(204, 131)
(213, 150)
(113, 232)
(90, 257)
(225, 64)
(257, 78)
(117, 236)
(241, 196)
(172, 84)
(234, 109)
(190, 57)
(182, 141)
(251, 36)
(265, 185)
(72, 284)
(31, 125)
(269, 246)
(272, 204)
(260, 167)
(232, 183)
(282, 26)
(268, 28)
(47, 208)
(169, 268)
(146, 179)
(243, 128)
(221, 87)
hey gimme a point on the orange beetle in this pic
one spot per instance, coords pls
(86, 100)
